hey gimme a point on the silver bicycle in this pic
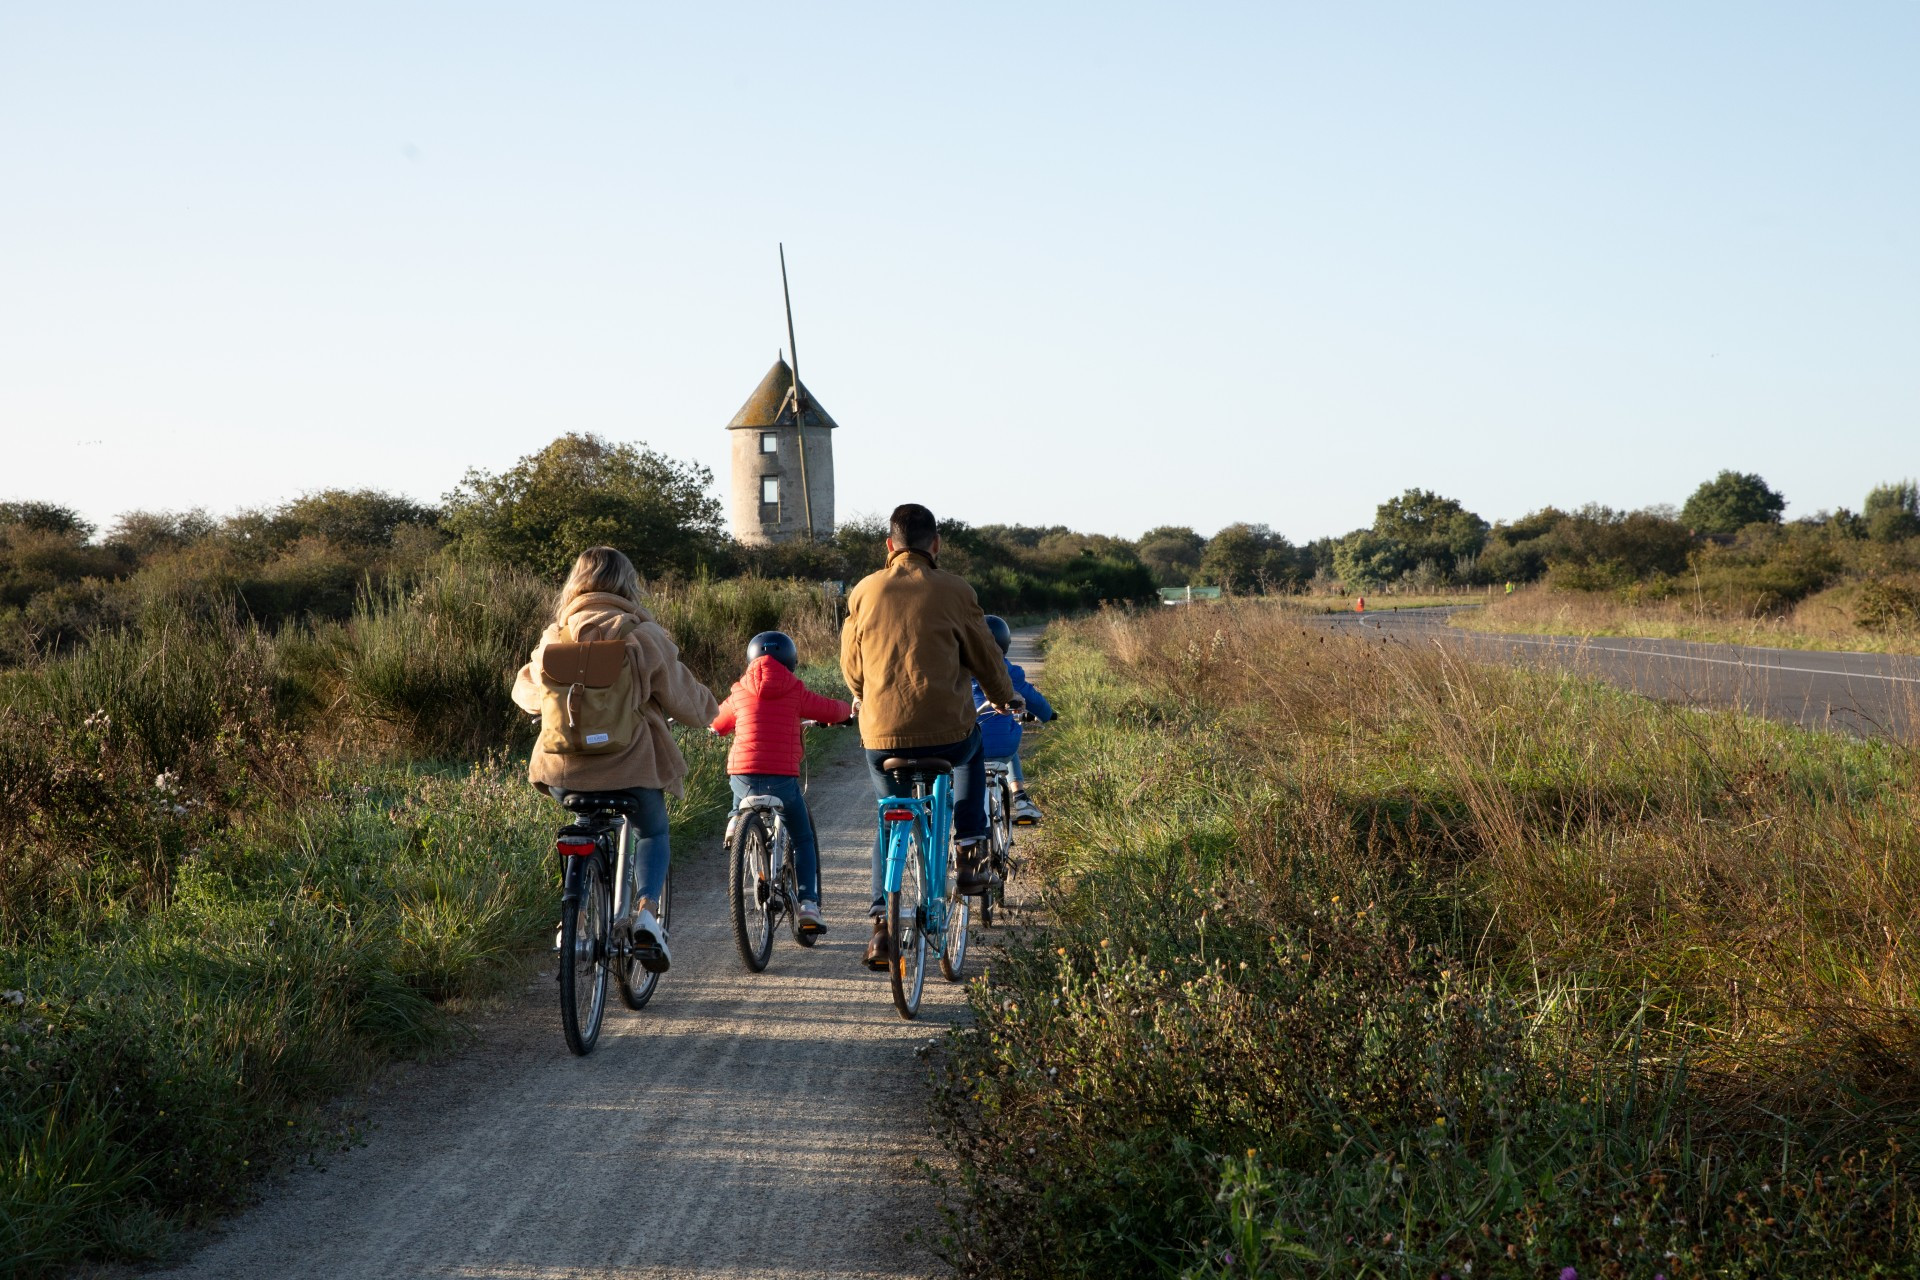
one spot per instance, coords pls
(600, 880)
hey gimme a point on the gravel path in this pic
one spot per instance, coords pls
(741, 1125)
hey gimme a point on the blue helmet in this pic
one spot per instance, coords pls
(1002, 633)
(777, 645)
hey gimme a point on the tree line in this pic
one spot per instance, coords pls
(61, 578)
(1422, 540)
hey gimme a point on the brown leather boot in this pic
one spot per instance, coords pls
(879, 946)
(973, 870)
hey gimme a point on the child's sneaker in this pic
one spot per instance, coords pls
(810, 921)
(1025, 812)
(650, 942)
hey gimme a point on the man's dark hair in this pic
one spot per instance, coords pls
(913, 527)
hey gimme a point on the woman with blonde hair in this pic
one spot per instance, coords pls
(601, 601)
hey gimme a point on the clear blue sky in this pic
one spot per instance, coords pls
(1106, 265)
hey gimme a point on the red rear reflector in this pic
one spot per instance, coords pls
(574, 848)
(896, 815)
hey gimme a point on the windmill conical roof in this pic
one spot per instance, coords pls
(768, 405)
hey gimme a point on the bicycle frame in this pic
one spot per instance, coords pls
(621, 829)
(932, 816)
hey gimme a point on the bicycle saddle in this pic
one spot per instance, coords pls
(763, 802)
(599, 802)
(908, 764)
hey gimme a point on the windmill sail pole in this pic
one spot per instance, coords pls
(799, 411)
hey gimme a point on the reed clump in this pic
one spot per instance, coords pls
(1364, 959)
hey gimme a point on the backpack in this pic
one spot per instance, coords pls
(586, 701)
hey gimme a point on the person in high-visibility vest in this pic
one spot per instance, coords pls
(1509, 588)
(1360, 605)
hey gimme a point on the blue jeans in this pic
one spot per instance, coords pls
(969, 798)
(785, 789)
(650, 851)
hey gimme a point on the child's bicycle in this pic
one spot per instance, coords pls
(924, 904)
(763, 886)
(1001, 823)
(599, 886)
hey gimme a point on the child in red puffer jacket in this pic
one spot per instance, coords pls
(763, 713)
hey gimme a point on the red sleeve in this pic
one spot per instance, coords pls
(817, 706)
(723, 723)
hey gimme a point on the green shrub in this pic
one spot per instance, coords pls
(1887, 606)
(431, 664)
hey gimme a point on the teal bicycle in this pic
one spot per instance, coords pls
(925, 909)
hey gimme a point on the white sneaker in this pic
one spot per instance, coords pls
(650, 942)
(1025, 812)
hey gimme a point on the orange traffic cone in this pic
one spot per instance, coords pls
(1360, 605)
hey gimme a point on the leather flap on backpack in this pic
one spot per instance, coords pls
(593, 663)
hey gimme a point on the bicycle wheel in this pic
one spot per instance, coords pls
(750, 890)
(999, 850)
(953, 945)
(905, 914)
(586, 909)
(1009, 859)
(637, 982)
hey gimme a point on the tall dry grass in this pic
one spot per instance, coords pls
(1758, 881)
(1831, 619)
(1362, 959)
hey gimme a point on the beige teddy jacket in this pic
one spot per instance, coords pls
(662, 685)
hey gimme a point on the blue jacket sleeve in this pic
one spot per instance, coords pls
(1036, 701)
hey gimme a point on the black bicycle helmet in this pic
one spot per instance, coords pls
(777, 645)
(1002, 633)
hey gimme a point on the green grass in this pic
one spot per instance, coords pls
(1362, 961)
(159, 1060)
(241, 869)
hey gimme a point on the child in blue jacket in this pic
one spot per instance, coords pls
(1000, 733)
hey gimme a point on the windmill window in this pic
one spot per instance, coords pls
(769, 488)
(769, 442)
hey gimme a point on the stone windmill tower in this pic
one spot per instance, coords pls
(782, 455)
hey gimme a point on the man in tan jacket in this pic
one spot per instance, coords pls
(915, 640)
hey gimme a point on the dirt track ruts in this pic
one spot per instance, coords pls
(740, 1126)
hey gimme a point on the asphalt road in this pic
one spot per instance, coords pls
(1870, 694)
(741, 1126)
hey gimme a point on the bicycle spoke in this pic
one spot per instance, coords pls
(750, 888)
(906, 925)
(584, 956)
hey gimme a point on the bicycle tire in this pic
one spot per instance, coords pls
(999, 849)
(907, 941)
(585, 912)
(635, 994)
(953, 943)
(751, 914)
